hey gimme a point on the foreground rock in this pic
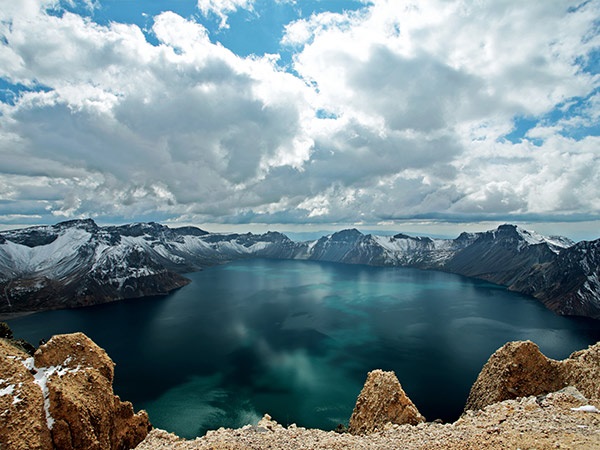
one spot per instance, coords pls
(382, 401)
(519, 369)
(547, 423)
(62, 398)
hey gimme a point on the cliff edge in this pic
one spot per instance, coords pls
(61, 398)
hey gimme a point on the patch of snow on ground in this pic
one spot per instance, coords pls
(587, 408)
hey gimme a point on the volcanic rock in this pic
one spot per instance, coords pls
(62, 398)
(382, 401)
(22, 418)
(582, 370)
(519, 369)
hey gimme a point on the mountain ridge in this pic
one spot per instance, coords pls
(79, 263)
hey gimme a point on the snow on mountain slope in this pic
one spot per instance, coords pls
(555, 243)
(418, 251)
(55, 260)
(77, 263)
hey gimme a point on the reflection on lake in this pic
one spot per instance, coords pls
(296, 339)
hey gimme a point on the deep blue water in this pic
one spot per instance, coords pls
(296, 339)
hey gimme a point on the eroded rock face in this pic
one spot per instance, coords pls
(22, 417)
(66, 399)
(519, 369)
(382, 401)
(582, 370)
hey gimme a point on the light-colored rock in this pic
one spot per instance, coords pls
(67, 389)
(519, 369)
(582, 370)
(22, 416)
(382, 401)
(73, 351)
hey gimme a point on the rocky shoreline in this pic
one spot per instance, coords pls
(60, 396)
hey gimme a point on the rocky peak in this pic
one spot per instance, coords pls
(349, 235)
(569, 283)
(139, 229)
(382, 401)
(189, 231)
(422, 239)
(518, 369)
(84, 224)
(30, 237)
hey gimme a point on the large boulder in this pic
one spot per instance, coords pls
(382, 401)
(519, 369)
(65, 398)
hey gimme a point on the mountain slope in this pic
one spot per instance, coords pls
(564, 276)
(502, 255)
(78, 263)
(570, 284)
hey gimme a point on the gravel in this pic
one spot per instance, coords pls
(547, 422)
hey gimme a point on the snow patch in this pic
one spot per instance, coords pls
(8, 390)
(556, 243)
(41, 377)
(587, 408)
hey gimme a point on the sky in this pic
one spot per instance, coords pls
(430, 116)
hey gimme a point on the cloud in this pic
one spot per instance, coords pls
(185, 119)
(441, 83)
(222, 8)
(398, 110)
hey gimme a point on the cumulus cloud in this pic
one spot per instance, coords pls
(186, 115)
(451, 77)
(397, 110)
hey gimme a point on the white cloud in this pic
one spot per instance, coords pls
(161, 127)
(222, 8)
(441, 82)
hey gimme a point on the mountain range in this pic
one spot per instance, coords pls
(78, 263)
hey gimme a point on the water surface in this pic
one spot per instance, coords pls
(296, 339)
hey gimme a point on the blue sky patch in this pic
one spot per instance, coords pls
(10, 92)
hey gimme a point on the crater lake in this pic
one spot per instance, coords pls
(296, 339)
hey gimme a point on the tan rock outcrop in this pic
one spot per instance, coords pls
(582, 369)
(66, 399)
(382, 401)
(22, 416)
(519, 369)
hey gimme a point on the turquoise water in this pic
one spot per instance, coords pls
(296, 339)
